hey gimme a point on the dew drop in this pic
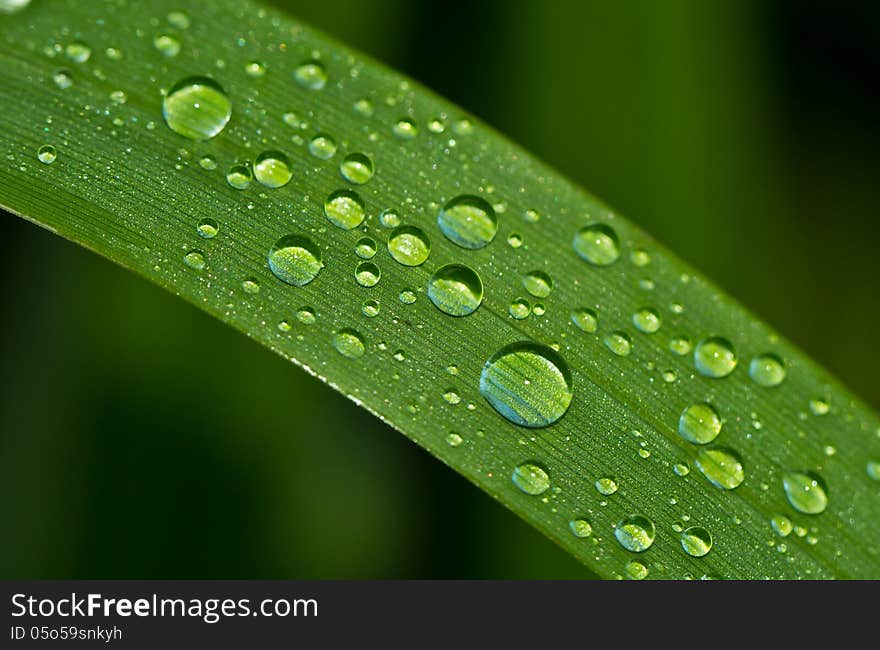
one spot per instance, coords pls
(322, 146)
(468, 221)
(345, 209)
(47, 154)
(272, 169)
(781, 525)
(640, 257)
(456, 289)
(240, 176)
(606, 486)
(819, 406)
(255, 69)
(208, 162)
(532, 216)
(363, 107)
(806, 492)
(78, 52)
(585, 319)
(636, 570)
(311, 74)
(168, 45)
(306, 315)
(580, 528)
(370, 308)
(349, 343)
(195, 260)
(451, 396)
(295, 259)
(389, 219)
(514, 240)
(436, 125)
(208, 228)
(681, 469)
(715, 357)
(454, 440)
(722, 467)
(699, 424)
(767, 370)
(619, 343)
(62, 78)
(597, 244)
(527, 383)
(284, 326)
(696, 541)
(356, 168)
(539, 309)
(367, 274)
(647, 319)
(179, 19)
(519, 308)
(531, 479)
(407, 296)
(680, 345)
(251, 286)
(11, 6)
(538, 283)
(873, 469)
(365, 248)
(405, 129)
(635, 533)
(409, 245)
(196, 108)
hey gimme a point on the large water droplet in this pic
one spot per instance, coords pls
(699, 423)
(527, 383)
(311, 74)
(208, 228)
(295, 259)
(696, 541)
(635, 533)
(272, 169)
(781, 525)
(345, 209)
(767, 370)
(531, 479)
(722, 467)
(196, 108)
(538, 283)
(715, 357)
(597, 244)
(409, 245)
(356, 168)
(456, 289)
(519, 308)
(47, 154)
(468, 221)
(367, 274)
(349, 343)
(806, 492)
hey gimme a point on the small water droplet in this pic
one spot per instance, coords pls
(527, 383)
(539, 309)
(208, 162)
(365, 248)
(370, 308)
(468, 221)
(47, 154)
(669, 375)
(873, 469)
(322, 146)
(405, 129)
(680, 345)
(62, 78)
(696, 541)
(514, 240)
(251, 286)
(585, 319)
(255, 69)
(240, 176)
(635, 533)
(367, 274)
(349, 343)
(208, 228)
(456, 289)
(167, 44)
(681, 469)
(356, 168)
(819, 406)
(715, 357)
(806, 492)
(12, 6)
(454, 440)
(532, 216)
(436, 125)
(463, 126)
(781, 525)
(531, 479)
(606, 486)
(647, 319)
(179, 19)
(295, 259)
(78, 52)
(389, 219)
(451, 396)
(636, 570)
(640, 257)
(284, 326)
(407, 296)
(580, 528)
(722, 467)
(272, 169)
(196, 108)
(767, 370)
(538, 283)
(363, 107)
(597, 244)
(195, 260)
(519, 308)
(311, 74)
(306, 315)
(619, 343)
(409, 245)
(699, 424)
(345, 209)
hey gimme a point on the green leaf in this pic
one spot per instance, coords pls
(439, 276)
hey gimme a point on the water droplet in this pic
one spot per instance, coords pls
(619, 343)
(195, 260)
(409, 245)
(208, 162)
(767, 370)
(11, 6)
(456, 289)
(208, 228)
(272, 169)
(635, 533)
(606, 486)
(47, 154)
(251, 286)
(532, 216)
(468, 221)
(597, 244)
(806, 492)
(356, 168)
(538, 283)
(527, 383)
(519, 308)
(370, 308)
(62, 78)
(647, 319)
(580, 528)
(454, 440)
(365, 248)
(463, 127)
(349, 343)
(322, 146)
(407, 296)
(514, 240)
(539, 309)
(196, 108)
(306, 315)
(284, 326)
(363, 107)
(255, 69)
(669, 375)
(531, 479)
(367, 274)
(167, 44)
(781, 525)
(345, 209)
(722, 467)
(179, 19)
(451, 396)
(311, 74)
(78, 52)
(239, 176)
(585, 319)
(389, 219)
(681, 469)
(680, 345)
(405, 129)
(819, 406)
(640, 257)
(873, 469)
(295, 259)
(699, 424)
(436, 125)
(636, 570)
(696, 541)
(715, 357)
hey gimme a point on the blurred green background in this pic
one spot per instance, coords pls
(140, 438)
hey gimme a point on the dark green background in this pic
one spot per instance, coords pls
(140, 438)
